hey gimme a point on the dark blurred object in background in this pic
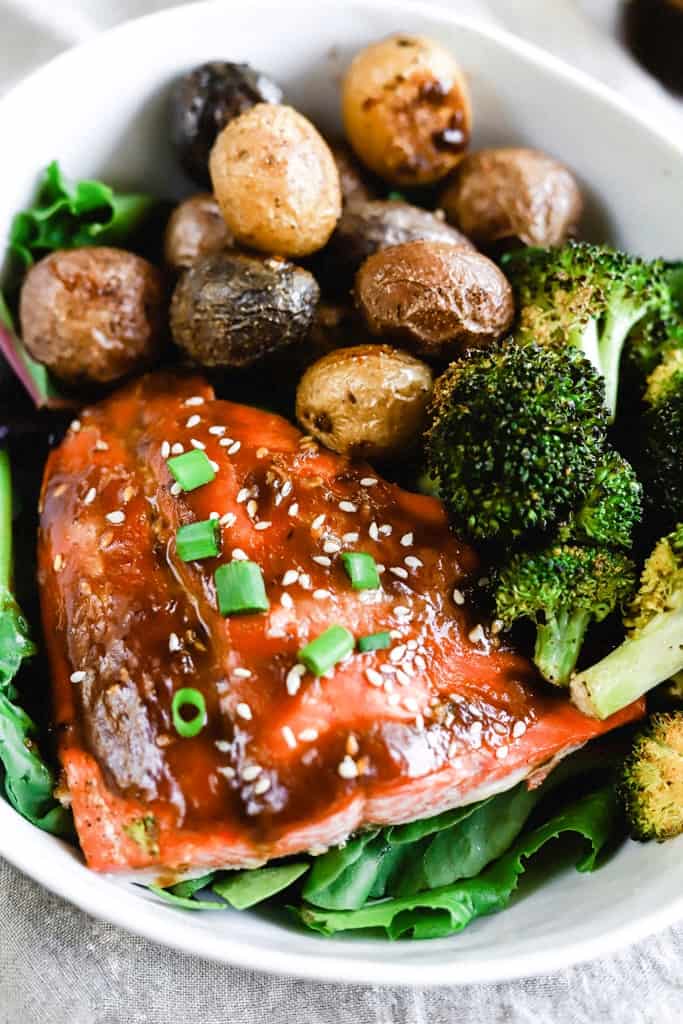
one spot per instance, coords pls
(654, 32)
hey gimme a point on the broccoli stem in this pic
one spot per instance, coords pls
(639, 664)
(558, 643)
(5, 521)
(617, 324)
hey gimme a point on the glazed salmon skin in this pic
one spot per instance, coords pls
(286, 761)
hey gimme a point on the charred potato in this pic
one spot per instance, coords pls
(92, 315)
(367, 227)
(354, 180)
(437, 297)
(368, 401)
(276, 181)
(513, 194)
(195, 229)
(231, 309)
(406, 109)
(205, 100)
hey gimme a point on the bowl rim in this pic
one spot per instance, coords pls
(118, 906)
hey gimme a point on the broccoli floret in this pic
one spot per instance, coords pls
(651, 784)
(653, 650)
(516, 435)
(612, 508)
(589, 297)
(655, 335)
(660, 457)
(562, 589)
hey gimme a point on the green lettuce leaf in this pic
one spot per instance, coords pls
(244, 889)
(68, 215)
(443, 911)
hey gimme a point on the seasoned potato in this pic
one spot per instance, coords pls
(353, 178)
(406, 109)
(513, 194)
(276, 181)
(438, 297)
(92, 315)
(231, 309)
(195, 228)
(367, 227)
(368, 401)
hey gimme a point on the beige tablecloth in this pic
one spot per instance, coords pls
(58, 966)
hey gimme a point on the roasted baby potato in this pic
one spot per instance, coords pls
(366, 227)
(202, 103)
(437, 297)
(513, 194)
(195, 229)
(92, 315)
(406, 109)
(367, 401)
(231, 309)
(276, 181)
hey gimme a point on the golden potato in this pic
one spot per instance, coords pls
(368, 401)
(406, 109)
(276, 181)
(195, 229)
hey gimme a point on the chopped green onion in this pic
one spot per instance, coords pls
(191, 469)
(327, 649)
(374, 642)
(197, 540)
(188, 697)
(361, 569)
(240, 588)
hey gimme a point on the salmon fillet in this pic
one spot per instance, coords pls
(286, 762)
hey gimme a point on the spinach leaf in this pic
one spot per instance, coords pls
(34, 376)
(66, 216)
(443, 911)
(186, 902)
(243, 889)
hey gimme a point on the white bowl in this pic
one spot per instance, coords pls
(100, 110)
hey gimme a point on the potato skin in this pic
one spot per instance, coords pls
(92, 315)
(195, 229)
(367, 227)
(406, 109)
(437, 297)
(368, 401)
(276, 181)
(231, 310)
(513, 194)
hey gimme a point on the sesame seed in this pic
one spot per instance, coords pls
(194, 400)
(226, 442)
(350, 538)
(399, 571)
(402, 611)
(262, 786)
(477, 634)
(223, 745)
(77, 677)
(251, 772)
(412, 645)
(421, 663)
(165, 449)
(289, 737)
(242, 495)
(106, 539)
(175, 489)
(116, 517)
(407, 540)
(290, 577)
(128, 493)
(214, 465)
(368, 481)
(502, 753)
(293, 679)
(173, 642)
(293, 509)
(90, 496)
(217, 431)
(352, 745)
(234, 448)
(348, 769)
(308, 735)
(497, 626)
(177, 448)
(419, 723)
(394, 699)
(304, 580)
(101, 446)
(75, 426)
(410, 704)
(458, 596)
(261, 453)
(373, 677)
(412, 562)
(214, 516)
(318, 522)
(402, 677)
(239, 555)
(386, 530)
(373, 531)
(321, 595)
(193, 421)
(286, 600)
(286, 488)
(348, 506)
(229, 519)
(388, 670)
(244, 711)
(396, 653)
(199, 445)
(518, 729)
(381, 568)
(227, 770)
(252, 508)
(241, 673)
(331, 546)
(322, 560)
